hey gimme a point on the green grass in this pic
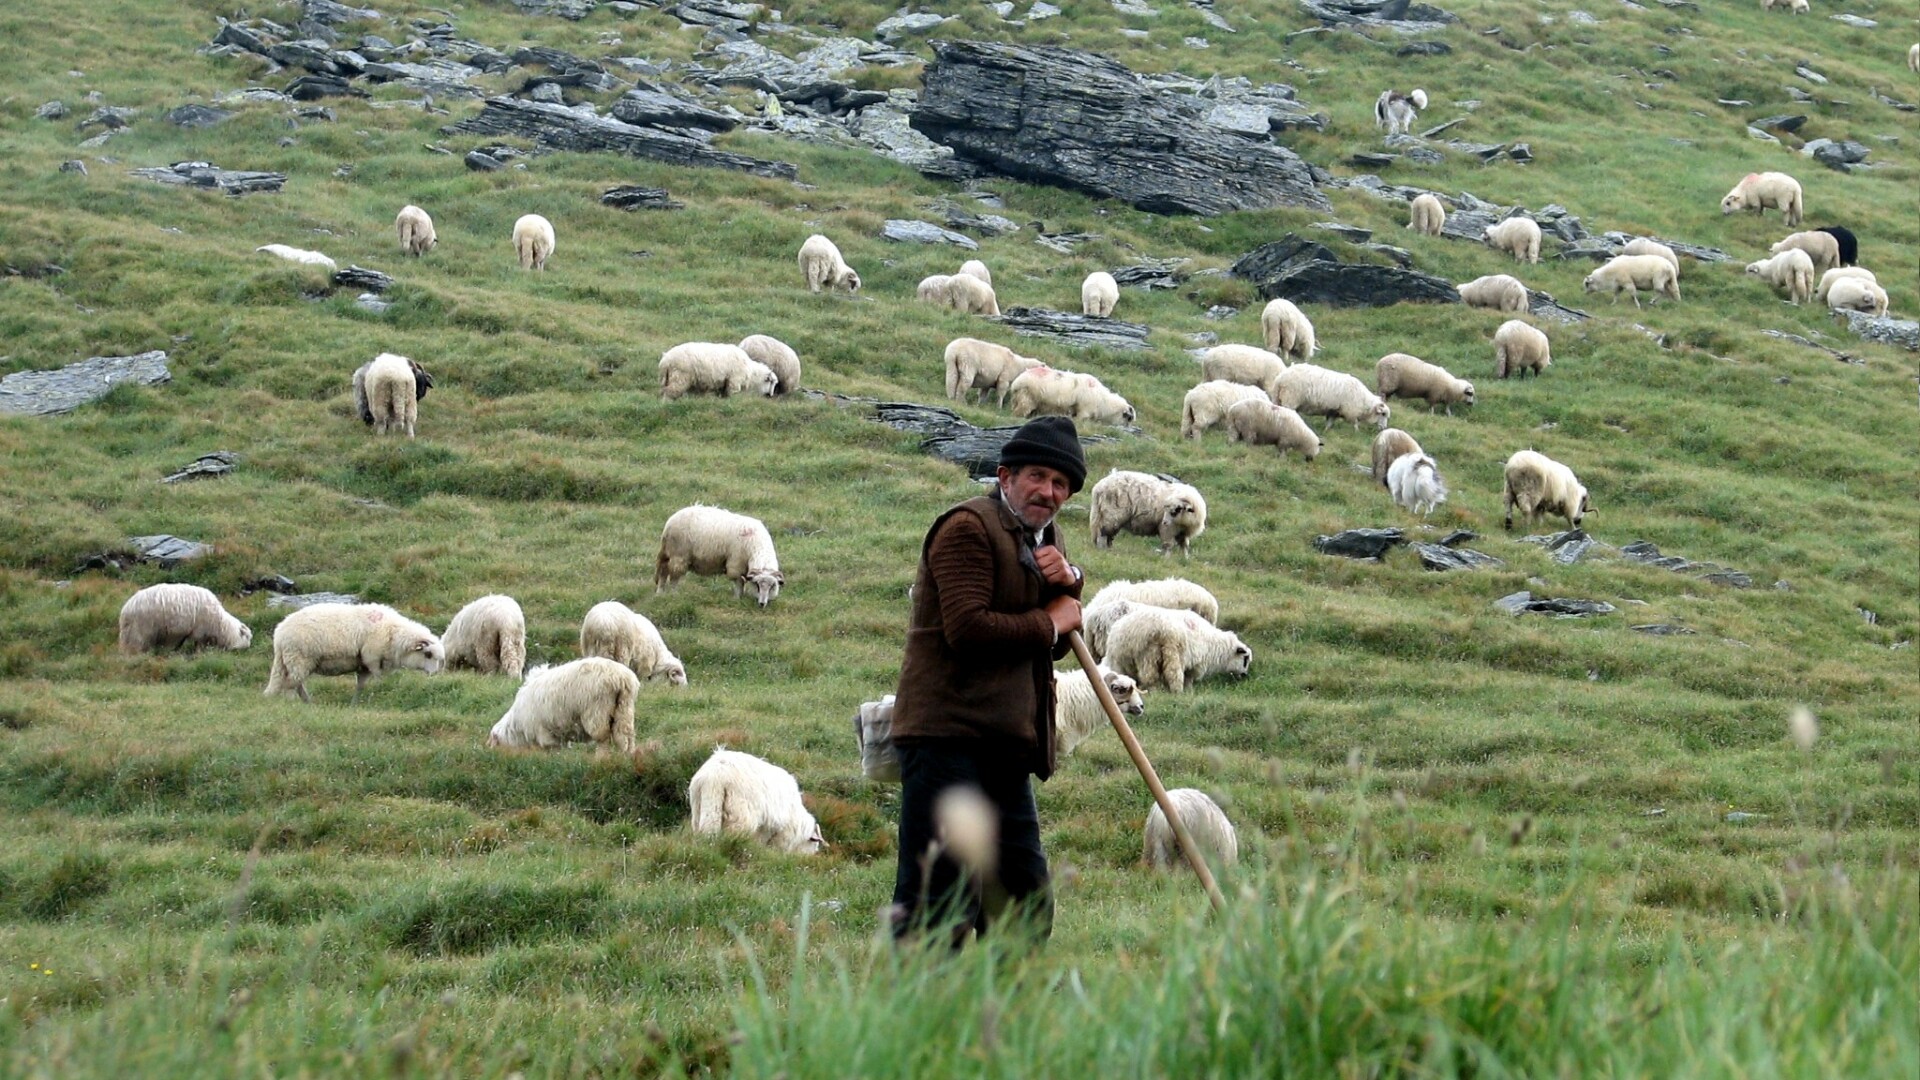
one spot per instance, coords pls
(1480, 845)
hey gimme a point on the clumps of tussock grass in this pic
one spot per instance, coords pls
(53, 892)
(475, 916)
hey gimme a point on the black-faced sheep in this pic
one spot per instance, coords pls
(1317, 391)
(1173, 649)
(822, 266)
(533, 241)
(1206, 405)
(1538, 485)
(586, 700)
(711, 367)
(778, 357)
(1077, 714)
(1287, 330)
(1098, 294)
(973, 364)
(1518, 348)
(160, 618)
(416, 230)
(1147, 505)
(739, 793)
(1763, 191)
(488, 635)
(1411, 377)
(363, 640)
(1212, 834)
(1259, 422)
(620, 634)
(1043, 390)
(710, 541)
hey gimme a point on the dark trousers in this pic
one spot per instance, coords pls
(933, 891)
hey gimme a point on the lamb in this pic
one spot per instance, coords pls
(533, 241)
(1631, 273)
(1206, 405)
(708, 367)
(300, 255)
(1849, 246)
(1857, 294)
(973, 364)
(1241, 364)
(1318, 391)
(778, 357)
(416, 230)
(1761, 191)
(488, 635)
(365, 640)
(1205, 823)
(710, 541)
(1501, 292)
(1538, 485)
(1174, 649)
(978, 269)
(1178, 594)
(1411, 377)
(1828, 279)
(1518, 348)
(586, 700)
(1518, 236)
(1821, 246)
(1077, 714)
(422, 382)
(1415, 483)
(739, 793)
(822, 266)
(387, 395)
(1286, 329)
(1428, 215)
(1389, 446)
(1396, 111)
(1791, 269)
(620, 634)
(1259, 422)
(1098, 293)
(1641, 245)
(969, 295)
(1147, 505)
(1042, 389)
(161, 618)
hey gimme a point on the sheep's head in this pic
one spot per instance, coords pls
(1466, 391)
(811, 842)
(848, 280)
(1314, 451)
(1591, 283)
(1381, 413)
(765, 584)
(769, 384)
(425, 654)
(239, 632)
(673, 671)
(1242, 661)
(1732, 202)
(1757, 268)
(1125, 691)
(1586, 507)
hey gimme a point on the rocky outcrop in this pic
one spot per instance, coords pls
(62, 390)
(1525, 603)
(1904, 333)
(1079, 331)
(206, 175)
(561, 128)
(1360, 543)
(1399, 16)
(1305, 272)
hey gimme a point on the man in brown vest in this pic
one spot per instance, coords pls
(993, 603)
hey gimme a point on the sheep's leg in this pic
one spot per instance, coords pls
(359, 684)
(301, 689)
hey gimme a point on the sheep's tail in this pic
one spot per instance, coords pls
(953, 381)
(620, 722)
(710, 809)
(1187, 420)
(660, 566)
(277, 676)
(513, 654)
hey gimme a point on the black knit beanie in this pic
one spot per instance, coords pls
(1050, 441)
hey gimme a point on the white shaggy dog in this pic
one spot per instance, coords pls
(1396, 111)
(740, 793)
(1415, 482)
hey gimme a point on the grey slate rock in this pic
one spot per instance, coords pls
(647, 105)
(218, 463)
(359, 277)
(310, 599)
(202, 174)
(1904, 333)
(1357, 285)
(900, 26)
(52, 110)
(1360, 543)
(1783, 122)
(987, 224)
(315, 87)
(1151, 274)
(371, 302)
(1352, 233)
(1458, 537)
(273, 583)
(563, 129)
(631, 197)
(1525, 603)
(1439, 557)
(333, 14)
(62, 390)
(1423, 48)
(480, 162)
(1643, 551)
(923, 232)
(1570, 547)
(1400, 256)
(1662, 629)
(1396, 15)
(198, 116)
(1067, 328)
(1836, 155)
(1542, 304)
(1854, 21)
(168, 551)
(74, 165)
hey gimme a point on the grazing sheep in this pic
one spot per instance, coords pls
(1389, 446)
(1828, 279)
(533, 241)
(1147, 505)
(821, 265)
(1849, 246)
(1913, 57)
(978, 269)
(1791, 269)
(1411, 377)
(739, 793)
(1396, 111)
(1518, 348)
(387, 395)
(969, 295)
(1096, 620)
(161, 618)
(933, 289)
(1798, 7)
(620, 634)
(1178, 594)
(1205, 823)
(1286, 329)
(1318, 391)
(1414, 481)
(1428, 215)
(709, 541)
(364, 640)
(1631, 273)
(416, 230)
(1206, 405)
(1098, 293)
(1641, 245)
(1174, 649)
(1077, 714)
(1821, 247)
(1761, 191)
(1538, 485)
(422, 382)
(710, 367)
(1259, 422)
(1241, 364)
(1501, 292)
(1857, 294)
(300, 255)
(488, 635)
(586, 700)
(778, 357)
(1044, 390)
(973, 364)
(1517, 236)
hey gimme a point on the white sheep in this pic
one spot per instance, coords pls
(1043, 390)
(422, 382)
(1096, 620)
(160, 618)
(1241, 364)
(1205, 823)
(364, 640)
(969, 295)
(533, 241)
(1428, 216)
(620, 634)
(1286, 329)
(1178, 594)
(586, 700)
(1173, 649)
(1411, 377)
(1077, 714)
(488, 635)
(709, 541)
(1538, 485)
(978, 269)
(1500, 292)
(1415, 483)
(1389, 446)
(973, 364)
(1790, 269)
(1098, 293)
(1518, 348)
(300, 255)
(1632, 273)
(1518, 236)
(1761, 191)
(739, 793)
(1828, 280)
(933, 289)
(387, 395)
(1641, 245)
(416, 230)
(1798, 7)
(1147, 505)
(711, 367)
(1317, 391)
(1396, 111)
(1821, 247)
(1857, 294)
(778, 357)
(1206, 405)
(1913, 57)
(1259, 422)
(822, 266)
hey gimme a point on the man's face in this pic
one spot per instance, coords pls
(1034, 493)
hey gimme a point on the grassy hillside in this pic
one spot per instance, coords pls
(1479, 844)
